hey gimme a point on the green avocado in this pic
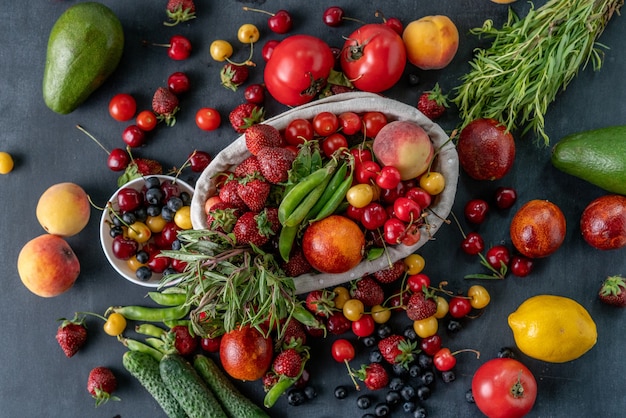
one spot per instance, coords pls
(597, 156)
(84, 48)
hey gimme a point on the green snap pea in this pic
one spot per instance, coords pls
(296, 195)
(168, 299)
(150, 329)
(335, 200)
(149, 314)
(302, 210)
(335, 181)
(135, 345)
(156, 343)
(286, 239)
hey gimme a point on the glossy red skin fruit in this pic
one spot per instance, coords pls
(538, 229)
(603, 222)
(246, 354)
(486, 150)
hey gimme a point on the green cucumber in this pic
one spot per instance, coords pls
(188, 388)
(85, 46)
(145, 369)
(234, 403)
(597, 156)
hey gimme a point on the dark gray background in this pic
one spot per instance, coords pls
(37, 379)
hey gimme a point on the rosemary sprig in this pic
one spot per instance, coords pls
(531, 60)
(230, 286)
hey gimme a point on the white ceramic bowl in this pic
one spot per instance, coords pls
(106, 240)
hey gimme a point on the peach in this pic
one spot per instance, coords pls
(406, 146)
(64, 209)
(431, 42)
(47, 265)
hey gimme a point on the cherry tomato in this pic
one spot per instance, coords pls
(373, 122)
(373, 57)
(220, 50)
(342, 294)
(414, 264)
(332, 143)
(342, 350)
(248, 33)
(380, 314)
(353, 309)
(360, 195)
(416, 282)
(427, 327)
(364, 326)
(325, 123)
(115, 324)
(298, 132)
(433, 182)
(350, 123)
(297, 69)
(208, 119)
(122, 107)
(504, 387)
(459, 307)
(479, 296)
(146, 120)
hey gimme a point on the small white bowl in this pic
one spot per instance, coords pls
(106, 240)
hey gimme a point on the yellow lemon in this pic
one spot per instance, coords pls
(552, 328)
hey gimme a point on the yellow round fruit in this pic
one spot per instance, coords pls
(554, 329)
(6, 163)
(504, 1)
(182, 218)
(63, 209)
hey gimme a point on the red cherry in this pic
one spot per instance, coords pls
(473, 244)
(170, 232)
(521, 266)
(268, 48)
(118, 159)
(158, 264)
(279, 22)
(179, 48)
(431, 345)
(199, 160)
(254, 93)
(169, 190)
(505, 197)
(124, 248)
(366, 171)
(129, 199)
(497, 256)
(178, 265)
(459, 307)
(211, 345)
(476, 211)
(333, 16)
(393, 22)
(389, 177)
(178, 82)
(133, 136)
(420, 196)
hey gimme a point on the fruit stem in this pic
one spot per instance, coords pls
(250, 9)
(351, 374)
(80, 128)
(464, 350)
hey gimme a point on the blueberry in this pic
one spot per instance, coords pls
(296, 397)
(427, 378)
(368, 416)
(400, 370)
(409, 333)
(152, 182)
(414, 370)
(363, 402)
(310, 392)
(469, 396)
(154, 196)
(424, 360)
(409, 406)
(393, 398)
(142, 256)
(506, 352)
(382, 410)
(407, 392)
(143, 273)
(341, 392)
(169, 271)
(116, 219)
(167, 213)
(153, 210)
(448, 376)
(414, 79)
(141, 214)
(376, 356)
(384, 331)
(115, 231)
(396, 383)
(420, 412)
(423, 393)
(186, 198)
(174, 203)
(454, 326)
(129, 218)
(369, 341)
(176, 245)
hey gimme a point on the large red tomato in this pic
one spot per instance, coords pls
(297, 69)
(504, 388)
(373, 57)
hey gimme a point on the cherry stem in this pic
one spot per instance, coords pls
(381, 15)
(248, 61)
(351, 374)
(92, 314)
(80, 128)
(250, 9)
(467, 350)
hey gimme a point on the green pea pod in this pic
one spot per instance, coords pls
(135, 345)
(150, 330)
(299, 191)
(335, 200)
(303, 209)
(148, 314)
(277, 390)
(168, 299)
(333, 184)
(171, 323)
(286, 239)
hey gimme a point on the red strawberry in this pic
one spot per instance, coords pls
(390, 274)
(260, 136)
(337, 323)
(297, 263)
(179, 11)
(272, 219)
(244, 116)
(184, 342)
(288, 363)
(368, 291)
(613, 291)
(432, 103)
(139, 167)
(295, 333)
(396, 349)
(421, 306)
(374, 376)
(165, 105)
(253, 191)
(72, 335)
(248, 166)
(275, 163)
(234, 75)
(269, 379)
(229, 193)
(101, 384)
(320, 302)
(222, 217)
(252, 228)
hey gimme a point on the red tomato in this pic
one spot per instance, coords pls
(325, 123)
(122, 107)
(208, 119)
(297, 69)
(373, 122)
(333, 143)
(373, 57)
(504, 387)
(298, 132)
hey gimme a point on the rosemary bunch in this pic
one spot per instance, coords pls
(230, 286)
(531, 60)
